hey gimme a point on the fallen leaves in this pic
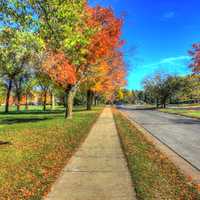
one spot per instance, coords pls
(38, 154)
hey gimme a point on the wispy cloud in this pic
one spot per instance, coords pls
(176, 60)
(172, 61)
(168, 15)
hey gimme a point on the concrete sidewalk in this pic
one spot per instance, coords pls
(98, 171)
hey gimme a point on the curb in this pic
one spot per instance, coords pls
(190, 172)
(179, 114)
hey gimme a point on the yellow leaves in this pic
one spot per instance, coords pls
(26, 193)
(120, 94)
(198, 187)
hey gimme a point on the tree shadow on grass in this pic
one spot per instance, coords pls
(39, 112)
(4, 143)
(79, 110)
(22, 120)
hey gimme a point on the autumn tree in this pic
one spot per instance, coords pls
(115, 78)
(84, 36)
(84, 54)
(102, 49)
(60, 24)
(111, 77)
(57, 67)
(70, 37)
(126, 96)
(195, 54)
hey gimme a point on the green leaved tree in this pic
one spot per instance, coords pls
(18, 52)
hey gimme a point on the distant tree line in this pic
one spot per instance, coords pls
(162, 89)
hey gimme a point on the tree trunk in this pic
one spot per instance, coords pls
(89, 99)
(8, 96)
(52, 101)
(65, 100)
(164, 102)
(26, 102)
(18, 102)
(157, 103)
(95, 100)
(70, 92)
(45, 101)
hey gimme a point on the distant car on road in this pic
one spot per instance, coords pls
(119, 104)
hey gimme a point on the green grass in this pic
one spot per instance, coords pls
(184, 112)
(153, 175)
(41, 144)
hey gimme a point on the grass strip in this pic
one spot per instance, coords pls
(184, 112)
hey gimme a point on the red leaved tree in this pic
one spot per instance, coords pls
(61, 72)
(103, 42)
(195, 53)
(114, 79)
(103, 50)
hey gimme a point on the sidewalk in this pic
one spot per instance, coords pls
(98, 170)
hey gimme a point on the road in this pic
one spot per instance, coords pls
(181, 134)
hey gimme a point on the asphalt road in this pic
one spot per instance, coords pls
(181, 134)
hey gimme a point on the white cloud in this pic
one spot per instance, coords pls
(168, 15)
(173, 61)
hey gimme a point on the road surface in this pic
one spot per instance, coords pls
(181, 134)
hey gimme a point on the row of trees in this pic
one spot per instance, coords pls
(65, 45)
(162, 88)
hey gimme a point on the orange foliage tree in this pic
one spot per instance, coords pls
(96, 57)
(195, 53)
(103, 54)
(61, 72)
(113, 79)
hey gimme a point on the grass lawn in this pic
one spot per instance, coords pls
(188, 105)
(154, 176)
(31, 108)
(41, 144)
(184, 112)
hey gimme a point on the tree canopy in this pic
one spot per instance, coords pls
(70, 42)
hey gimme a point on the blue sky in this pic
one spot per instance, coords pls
(160, 31)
